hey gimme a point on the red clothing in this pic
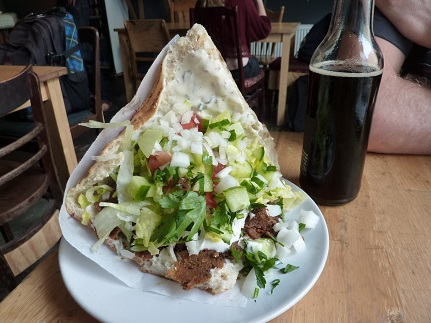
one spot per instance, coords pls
(252, 26)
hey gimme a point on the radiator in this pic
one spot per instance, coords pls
(301, 32)
(258, 48)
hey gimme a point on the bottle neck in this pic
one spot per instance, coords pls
(349, 42)
(353, 16)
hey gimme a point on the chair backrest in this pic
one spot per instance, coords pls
(146, 39)
(90, 49)
(275, 16)
(180, 10)
(221, 24)
(24, 180)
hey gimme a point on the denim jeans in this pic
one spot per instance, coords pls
(250, 70)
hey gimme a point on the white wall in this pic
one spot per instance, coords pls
(116, 13)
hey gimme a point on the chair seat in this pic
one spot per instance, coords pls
(251, 81)
(265, 60)
(80, 116)
(33, 184)
(15, 128)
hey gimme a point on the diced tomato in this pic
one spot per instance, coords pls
(211, 203)
(183, 183)
(194, 122)
(158, 159)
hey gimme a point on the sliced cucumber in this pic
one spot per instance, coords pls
(206, 182)
(237, 198)
(258, 153)
(235, 128)
(223, 119)
(140, 187)
(243, 170)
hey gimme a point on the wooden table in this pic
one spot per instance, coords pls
(57, 125)
(378, 267)
(282, 32)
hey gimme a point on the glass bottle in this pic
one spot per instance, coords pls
(344, 77)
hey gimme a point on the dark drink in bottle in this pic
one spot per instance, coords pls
(344, 77)
(336, 139)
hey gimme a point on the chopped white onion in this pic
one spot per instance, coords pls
(193, 246)
(236, 116)
(210, 152)
(293, 226)
(196, 148)
(157, 147)
(208, 141)
(185, 133)
(225, 135)
(222, 151)
(242, 145)
(170, 117)
(280, 225)
(180, 159)
(288, 237)
(225, 171)
(282, 252)
(273, 209)
(177, 127)
(180, 107)
(249, 285)
(226, 182)
(187, 117)
(309, 218)
(299, 245)
(171, 251)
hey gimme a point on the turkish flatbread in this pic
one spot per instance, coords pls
(191, 189)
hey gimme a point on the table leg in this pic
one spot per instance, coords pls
(284, 72)
(59, 131)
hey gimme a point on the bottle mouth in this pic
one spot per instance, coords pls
(346, 68)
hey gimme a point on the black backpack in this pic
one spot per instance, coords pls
(50, 39)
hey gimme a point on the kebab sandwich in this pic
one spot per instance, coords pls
(191, 189)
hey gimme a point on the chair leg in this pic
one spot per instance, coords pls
(6, 275)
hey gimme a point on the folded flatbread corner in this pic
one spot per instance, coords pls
(169, 209)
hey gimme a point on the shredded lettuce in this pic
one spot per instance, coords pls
(103, 125)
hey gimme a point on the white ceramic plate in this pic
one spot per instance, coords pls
(109, 300)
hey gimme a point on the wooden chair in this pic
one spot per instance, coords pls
(216, 21)
(25, 181)
(276, 16)
(146, 39)
(180, 10)
(265, 52)
(89, 39)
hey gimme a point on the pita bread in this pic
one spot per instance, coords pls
(193, 77)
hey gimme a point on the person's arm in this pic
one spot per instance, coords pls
(402, 115)
(260, 8)
(412, 18)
